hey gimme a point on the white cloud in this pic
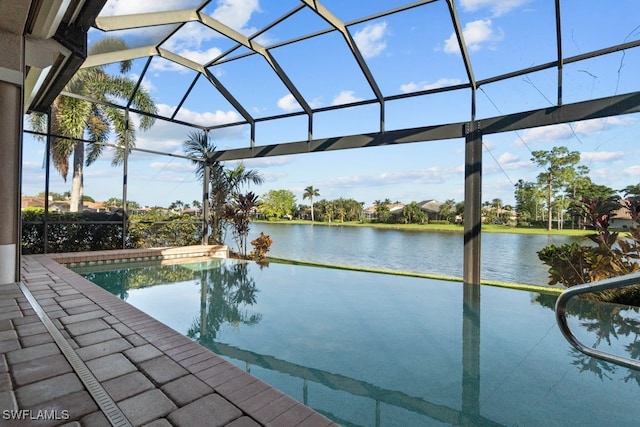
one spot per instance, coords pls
(432, 175)
(188, 41)
(545, 134)
(488, 145)
(370, 40)
(168, 137)
(633, 171)
(159, 63)
(345, 97)
(597, 125)
(208, 118)
(288, 103)
(601, 156)
(201, 57)
(190, 36)
(414, 87)
(497, 7)
(236, 13)
(477, 34)
(508, 158)
(565, 131)
(128, 7)
(272, 176)
(146, 83)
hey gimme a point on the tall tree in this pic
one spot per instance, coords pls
(225, 183)
(72, 118)
(238, 213)
(383, 213)
(632, 190)
(310, 193)
(412, 214)
(559, 167)
(527, 200)
(278, 203)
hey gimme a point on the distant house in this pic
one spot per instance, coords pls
(38, 202)
(394, 208)
(621, 218)
(431, 208)
(32, 202)
(94, 207)
(369, 213)
(60, 205)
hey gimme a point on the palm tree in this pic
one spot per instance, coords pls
(72, 118)
(225, 183)
(448, 210)
(310, 193)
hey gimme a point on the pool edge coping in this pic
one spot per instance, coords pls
(173, 344)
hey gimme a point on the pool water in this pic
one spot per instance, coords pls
(371, 349)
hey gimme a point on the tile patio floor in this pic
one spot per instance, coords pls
(152, 375)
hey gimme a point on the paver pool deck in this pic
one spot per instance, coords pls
(73, 354)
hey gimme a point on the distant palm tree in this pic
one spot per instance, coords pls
(72, 117)
(225, 183)
(310, 193)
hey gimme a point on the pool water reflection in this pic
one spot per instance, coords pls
(373, 349)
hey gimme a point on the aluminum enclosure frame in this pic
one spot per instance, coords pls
(471, 131)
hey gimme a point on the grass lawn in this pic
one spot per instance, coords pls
(487, 228)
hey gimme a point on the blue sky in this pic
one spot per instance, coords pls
(409, 51)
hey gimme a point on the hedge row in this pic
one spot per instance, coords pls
(95, 231)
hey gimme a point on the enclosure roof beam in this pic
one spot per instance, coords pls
(119, 56)
(603, 107)
(140, 20)
(339, 25)
(258, 48)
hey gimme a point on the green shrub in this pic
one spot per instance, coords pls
(70, 231)
(157, 229)
(608, 255)
(95, 231)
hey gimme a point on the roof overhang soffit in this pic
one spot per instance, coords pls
(55, 47)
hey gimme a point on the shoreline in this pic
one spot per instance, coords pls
(443, 228)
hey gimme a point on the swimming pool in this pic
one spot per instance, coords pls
(371, 349)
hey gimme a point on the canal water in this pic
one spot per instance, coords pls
(505, 257)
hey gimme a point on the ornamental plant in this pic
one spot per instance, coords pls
(261, 246)
(608, 254)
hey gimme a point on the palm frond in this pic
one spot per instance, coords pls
(98, 129)
(38, 123)
(198, 145)
(111, 44)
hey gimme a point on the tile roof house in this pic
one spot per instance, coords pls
(621, 218)
(394, 208)
(60, 205)
(431, 207)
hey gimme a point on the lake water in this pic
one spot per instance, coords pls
(505, 257)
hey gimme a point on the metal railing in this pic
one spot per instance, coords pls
(602, 285)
